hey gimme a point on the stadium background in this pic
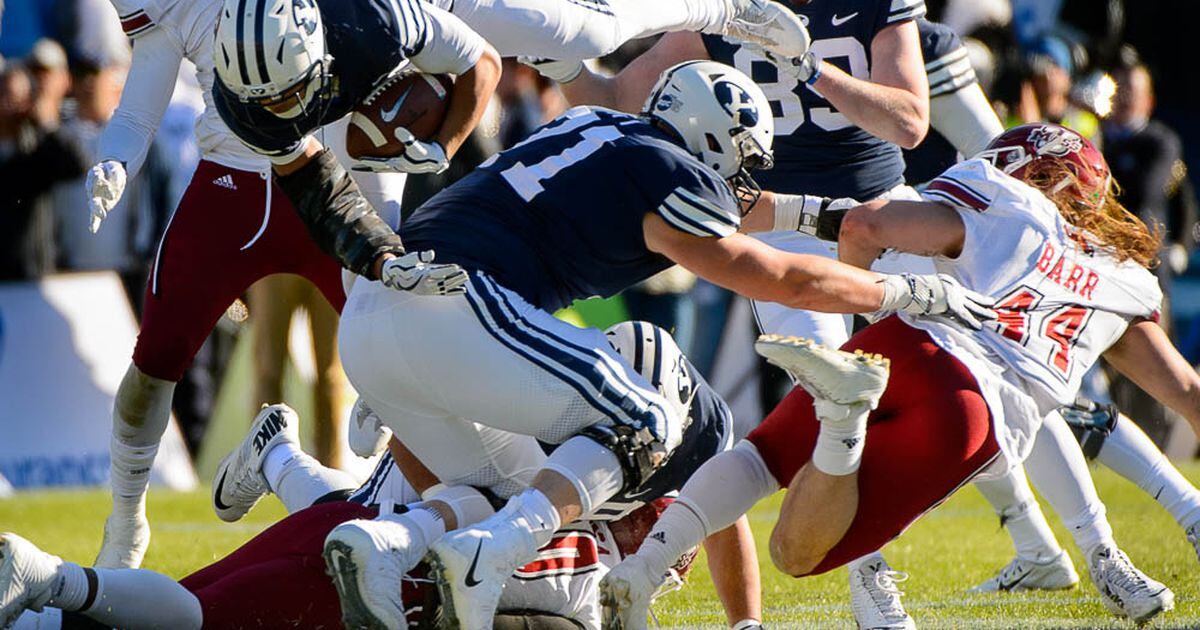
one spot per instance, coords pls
(68, 303)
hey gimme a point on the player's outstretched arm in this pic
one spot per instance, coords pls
(628, 89)
(1147, 357)
(733, 564)
(916, 227)
(965, 118)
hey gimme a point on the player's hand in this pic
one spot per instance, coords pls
(413, 272)
(105, 185)
(805, 68)
(368, 437)
(418, 157)
(554, 69)
(933, 295)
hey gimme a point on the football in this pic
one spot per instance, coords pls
(416, 102)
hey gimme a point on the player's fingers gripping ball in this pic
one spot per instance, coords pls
(392, 130)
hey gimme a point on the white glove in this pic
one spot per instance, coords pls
(105, 185)
(412, 272)
(806, 68)
(418, 157)
(368, 437)
(563, 71)
(934, 295)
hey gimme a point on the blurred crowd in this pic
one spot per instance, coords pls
(1115, 70)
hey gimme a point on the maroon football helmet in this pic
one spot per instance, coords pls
(1027, 150)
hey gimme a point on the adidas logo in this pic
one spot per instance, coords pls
(225, 181)
(660, 537)
(850, 442)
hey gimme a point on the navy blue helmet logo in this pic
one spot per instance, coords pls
(305, 14)
(737, 103)
(665, 102)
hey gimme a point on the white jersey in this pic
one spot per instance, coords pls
(164, 33)
(1061, 304)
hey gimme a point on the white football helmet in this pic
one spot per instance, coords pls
(722, 116)
(653, 353)
(272, 53)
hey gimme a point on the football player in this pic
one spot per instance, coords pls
(1034, 221)
(233, 226)
(592, 202)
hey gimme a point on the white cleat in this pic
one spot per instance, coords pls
(27, 576)
(126, 539)
(843, 378)
(1125, 590)
(239, 482)
(875, 598)
(626, 594)
(1055, 574)
(367, 435)
(368, 560)
(771, 26)
(470, 567)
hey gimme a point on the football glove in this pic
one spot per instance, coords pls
(563, 71)
(105, 185)
(418, 157)
(806, 68)
(368, 437)
(413, 272)
(933, 295)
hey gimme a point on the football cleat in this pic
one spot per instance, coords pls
(27, 576)
(1054, 574)
(239, 482)
(843, 378)
(126, 539)
(367, 435)
(470, 567)
(769, 25)
(1125, 590)
(875, 598)
(626, 593)
(367, 561)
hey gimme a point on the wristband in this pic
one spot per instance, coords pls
(798, 213)
(746, 624)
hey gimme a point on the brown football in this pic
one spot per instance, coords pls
(416, 102)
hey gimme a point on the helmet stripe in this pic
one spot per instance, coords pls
(260, 46)
(241, 42)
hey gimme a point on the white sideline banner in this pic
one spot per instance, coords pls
(65, 343)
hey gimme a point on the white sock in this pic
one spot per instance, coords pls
(538, 513)
(468, 504)
(1129, 452)
(594, 470)
(1058, 470)
(854, 564)
(137, 598)
(130, 475)
(298, 479)
(841, 438)
(715, 497)
(1021, 515)
(70, 590)
(141, 412)
(424, 525)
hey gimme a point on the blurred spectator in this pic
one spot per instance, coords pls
(965, 16)
(1046, 93)
(1146, 159)
(24, 23)
(47, 64)
(34, 155)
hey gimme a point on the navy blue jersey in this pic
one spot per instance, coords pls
(949, 71)
(817, 150)
(368, 40)
(709, 431)
(559, 216)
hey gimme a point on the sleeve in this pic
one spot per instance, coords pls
(995, 216)
(899, 11)
(946, 62)
(451, 47)
(700, 204)
(147, 92)
(965, 118)
(970, 185)
(412, 23)
(135, 20)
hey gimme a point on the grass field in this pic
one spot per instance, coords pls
(953, 548)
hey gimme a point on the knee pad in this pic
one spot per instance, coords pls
(638, 450)
(1091, 423)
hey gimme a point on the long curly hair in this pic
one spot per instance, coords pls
(1102, 221)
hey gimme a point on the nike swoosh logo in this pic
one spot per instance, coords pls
(1008, 586)
(217, 495)
(388, 114)
(470, 580)
(838, 21)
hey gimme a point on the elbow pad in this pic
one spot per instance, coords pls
(337, 215)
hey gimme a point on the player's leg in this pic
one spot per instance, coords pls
(31, 579)
(273, 301)
(198, 271)
(330, 383)
(1059, 471)
(1040, 562)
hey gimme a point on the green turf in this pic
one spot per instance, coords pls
(953, 548)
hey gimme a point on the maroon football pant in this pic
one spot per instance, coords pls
(277, 579)
(230, 229)
(931, 434)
